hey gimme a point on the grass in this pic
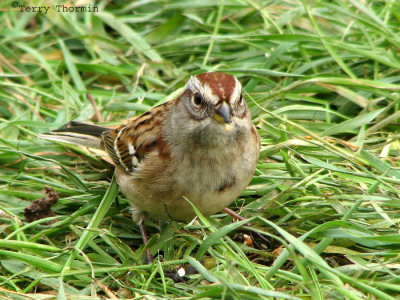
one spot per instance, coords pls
(322, 80)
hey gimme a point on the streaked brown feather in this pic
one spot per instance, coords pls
(128, 145)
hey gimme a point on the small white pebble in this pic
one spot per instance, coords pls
(181, 272)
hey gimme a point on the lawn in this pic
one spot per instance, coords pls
(322, 81)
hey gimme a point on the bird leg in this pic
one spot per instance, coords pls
(149, 257)
(235, 215)
(240, 218)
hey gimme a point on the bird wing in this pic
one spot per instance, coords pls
(129, 144)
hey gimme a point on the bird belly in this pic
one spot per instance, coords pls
(163, 191)
(209, 184)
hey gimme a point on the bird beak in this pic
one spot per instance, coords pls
(223, 114)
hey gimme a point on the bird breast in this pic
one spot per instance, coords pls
(209, 177)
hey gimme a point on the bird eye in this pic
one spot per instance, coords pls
(241, 98)
(197, 99)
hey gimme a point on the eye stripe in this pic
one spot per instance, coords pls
(237, 91)
(194, 85)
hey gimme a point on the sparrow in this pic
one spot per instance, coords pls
(201, 146)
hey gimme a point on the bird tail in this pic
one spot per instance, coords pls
(77, 133)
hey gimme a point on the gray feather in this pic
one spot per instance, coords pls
(77, 133)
